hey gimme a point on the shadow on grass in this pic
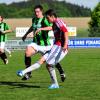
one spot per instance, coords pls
(18, 84)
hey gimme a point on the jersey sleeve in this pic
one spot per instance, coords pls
(62, 26)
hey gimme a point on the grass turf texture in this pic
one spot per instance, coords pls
(82, 67)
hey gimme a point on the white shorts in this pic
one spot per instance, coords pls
(55, 55)
(2, 45)
(41, 49)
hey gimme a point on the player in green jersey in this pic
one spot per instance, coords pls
(4, 29)
(41, 41)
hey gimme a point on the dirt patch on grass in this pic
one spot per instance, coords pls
(26, 22)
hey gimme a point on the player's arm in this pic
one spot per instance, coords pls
(43, 29)
(63, 28)
(28, 32)
(7, 31)
(47, 27)
(66, 41)
(30, 35)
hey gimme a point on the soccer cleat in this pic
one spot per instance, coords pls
(53, 86)
(26, 77)
(19, 73)
(6, 61)
(63, 77)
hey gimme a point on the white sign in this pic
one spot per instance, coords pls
(72, 31)
(20, 31)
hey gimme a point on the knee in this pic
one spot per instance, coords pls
(49, 65)
(42, 60)
(1, 51)
(29, 51)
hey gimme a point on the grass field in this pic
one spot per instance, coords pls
(82, 67)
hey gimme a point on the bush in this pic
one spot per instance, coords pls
(94, 24)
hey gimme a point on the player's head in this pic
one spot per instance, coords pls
(38, 9)
(1, 18)
(51, 15)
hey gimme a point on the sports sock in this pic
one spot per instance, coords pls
(60, 69)
(27, 62)
(31, 68)
(3, 56)
(52, 72)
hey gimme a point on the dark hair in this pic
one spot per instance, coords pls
(51, 12)
(38, 6)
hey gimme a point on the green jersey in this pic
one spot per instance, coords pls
(42, 37)
(3, 27)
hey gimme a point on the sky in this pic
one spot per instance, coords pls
(86, 3)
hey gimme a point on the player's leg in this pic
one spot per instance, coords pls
(51, 62)
(2, 53)
(3, 57)
(61, 71)
(59, 57)
(55, 55)
(28, 53)
(32, 49)
(51, 59)
(52, 73)
(32, 67)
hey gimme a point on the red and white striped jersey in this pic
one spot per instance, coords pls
(59, 28)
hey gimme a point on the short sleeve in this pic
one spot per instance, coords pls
(62, 26)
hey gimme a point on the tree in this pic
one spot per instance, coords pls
(25, 9)
(94, 24)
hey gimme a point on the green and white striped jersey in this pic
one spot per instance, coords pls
(42, 38)
(3, 27)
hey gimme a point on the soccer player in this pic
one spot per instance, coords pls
(41, 41)
(4, 29)
(57, 52)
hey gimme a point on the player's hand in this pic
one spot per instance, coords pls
(37, 31)
(65, 48)
(24, 37)
(2, 32)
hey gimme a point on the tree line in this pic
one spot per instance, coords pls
(94, 24)
(25, 9)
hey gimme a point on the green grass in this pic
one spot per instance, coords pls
(82, 32)
(11, 35)
(82, 67)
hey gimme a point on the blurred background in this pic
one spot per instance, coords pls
(76, 13)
